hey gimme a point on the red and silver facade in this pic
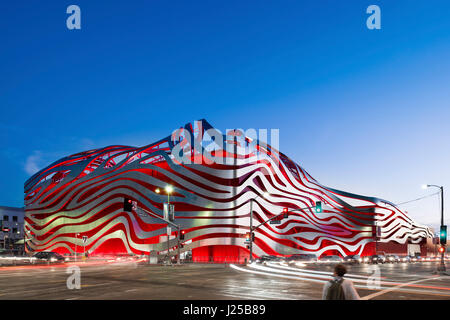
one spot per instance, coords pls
(82, 195)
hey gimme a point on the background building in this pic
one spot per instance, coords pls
(216, 179)
(12, 228)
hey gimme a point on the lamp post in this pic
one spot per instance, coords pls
(26, 237)
(169, 190)
(441, 267)
(265, 195)
(76, 238)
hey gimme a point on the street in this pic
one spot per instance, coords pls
(138, 280)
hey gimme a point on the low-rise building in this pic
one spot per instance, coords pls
(11, 228)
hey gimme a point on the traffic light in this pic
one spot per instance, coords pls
(127, 205)
(441, 249)
(319, 206)
(443, 235)
(247, 236)
(182, 234)
(285, 213)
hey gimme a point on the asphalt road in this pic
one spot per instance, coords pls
(131, 280)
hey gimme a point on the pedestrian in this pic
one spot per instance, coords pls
(339, 288)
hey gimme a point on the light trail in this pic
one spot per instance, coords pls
(314, 271)
(273, 275)
(323, 277)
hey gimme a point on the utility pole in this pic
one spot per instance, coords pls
(442, 264)
(178, 246)
(168, 219)
(251, 230)
(168, 190)
(441, 267)
(265, 195)
(76, 238)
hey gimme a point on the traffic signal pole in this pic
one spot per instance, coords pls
(178, 246)
(168, 235)
(442, 232)
(170, 223)
(318, 207)
(441, 267)
(251, 230)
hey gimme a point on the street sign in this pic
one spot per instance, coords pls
(153, 257)
(166, 211)
(85, 238)
(169, 212)
(172, 212)
(378, 231)
(275, 221)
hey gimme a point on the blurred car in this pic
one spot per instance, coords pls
(353, 258)
(5, 253)
(392, 258)
(48, 256)
(301, 258)
(376, 258)
(330, 259)
(415, 258)
(265, 259)
(405, 259)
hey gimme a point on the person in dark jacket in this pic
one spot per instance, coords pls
(339, 288)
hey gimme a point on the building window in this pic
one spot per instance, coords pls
(5, 218)
(15, 218)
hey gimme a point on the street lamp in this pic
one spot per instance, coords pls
(441, 266)
(76, 238)
(265, 195)
(169, 190)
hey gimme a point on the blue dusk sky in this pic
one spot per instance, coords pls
(365, 111)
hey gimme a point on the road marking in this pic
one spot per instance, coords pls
(247, 297)
(376, 294)
(95, 285)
